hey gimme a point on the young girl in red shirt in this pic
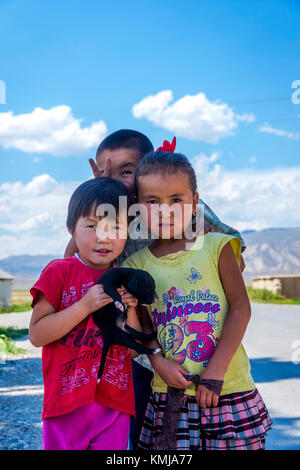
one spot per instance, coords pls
(80, 412)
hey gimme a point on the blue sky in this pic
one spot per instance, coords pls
(100, 59)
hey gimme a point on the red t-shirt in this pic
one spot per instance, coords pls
(70, 364)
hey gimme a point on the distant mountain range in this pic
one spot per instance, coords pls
(270, 251)
(25, 268)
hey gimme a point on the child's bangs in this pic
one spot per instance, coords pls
(166, 163)
(93, 196)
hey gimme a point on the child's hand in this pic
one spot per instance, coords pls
(171, 372)
(98, 173)
(127, 298)
(95, 298)
(205, 397)
(95, 168)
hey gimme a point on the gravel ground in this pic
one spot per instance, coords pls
(21, 392)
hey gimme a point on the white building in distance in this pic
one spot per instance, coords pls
(5, 288)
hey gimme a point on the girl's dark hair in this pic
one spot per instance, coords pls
(166, 162)
(90, 194)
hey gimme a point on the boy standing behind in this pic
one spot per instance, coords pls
(117, 157)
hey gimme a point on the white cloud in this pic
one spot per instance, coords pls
(55, 131)
(246, 117)
(33, 216)
(40, 185)
(193, 116)
(41, 222)
(280, 132)
(250, 198)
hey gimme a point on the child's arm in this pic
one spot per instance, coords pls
(170, 371)
(47, 325)
(234, 327)
(71, 249)
(132, 318)
(242, 264)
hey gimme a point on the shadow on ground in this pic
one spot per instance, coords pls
(21, 403)
(268, 369)
(285, 432)
(284, 435)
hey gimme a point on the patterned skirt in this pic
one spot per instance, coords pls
(239, 422)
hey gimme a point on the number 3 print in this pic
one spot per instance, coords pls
(198, 350)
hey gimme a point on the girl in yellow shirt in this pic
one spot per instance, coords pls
(200, 317)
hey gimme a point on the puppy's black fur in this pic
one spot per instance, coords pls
(111, 319)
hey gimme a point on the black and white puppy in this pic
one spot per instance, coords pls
(111, 319)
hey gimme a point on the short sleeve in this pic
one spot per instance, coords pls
(236, 245)
(50, 283)
(128, 263)
(217, 241)
(133, 261)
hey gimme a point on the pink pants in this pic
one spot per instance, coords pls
(90, 427)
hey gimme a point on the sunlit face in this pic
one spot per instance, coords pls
(98, 248)
(172, 194)
(119, 164)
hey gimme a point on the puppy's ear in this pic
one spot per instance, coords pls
(133, 286)
(111, 281)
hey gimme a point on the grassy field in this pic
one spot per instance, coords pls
(266, 296)
(20, 302)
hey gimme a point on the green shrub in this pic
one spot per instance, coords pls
(25, 307)
(264, 295)
(7, 337)
(8, 346)
(13, 333)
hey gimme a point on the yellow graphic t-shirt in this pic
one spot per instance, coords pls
(191, 309)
